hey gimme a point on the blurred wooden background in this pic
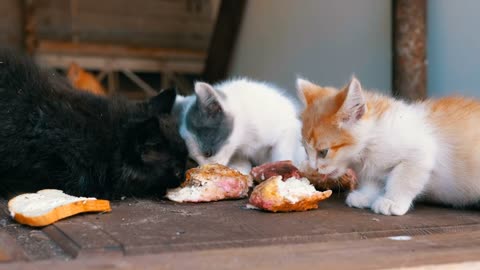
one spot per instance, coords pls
(130, 45)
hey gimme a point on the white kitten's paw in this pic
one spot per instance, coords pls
(389, 207)
(359, 199)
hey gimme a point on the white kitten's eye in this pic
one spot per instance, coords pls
(323, 153)
(208, 153)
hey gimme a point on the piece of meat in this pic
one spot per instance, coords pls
(348, 181)
(283, 168)
(286, 169)
(293, 194)
(211, 182)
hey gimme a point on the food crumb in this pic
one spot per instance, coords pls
(400, 238)
(249, 206)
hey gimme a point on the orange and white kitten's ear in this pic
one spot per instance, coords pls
(308, 92)
(354, 105)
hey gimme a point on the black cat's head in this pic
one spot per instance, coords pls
(154, 154)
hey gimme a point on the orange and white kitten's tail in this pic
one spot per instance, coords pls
(401, 152)
(84, 80)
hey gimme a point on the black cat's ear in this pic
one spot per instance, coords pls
(163, 102)
(208, 98)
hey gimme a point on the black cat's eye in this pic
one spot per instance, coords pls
(208, 153)
(323, 153)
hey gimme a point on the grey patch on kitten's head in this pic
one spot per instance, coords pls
(207, 120)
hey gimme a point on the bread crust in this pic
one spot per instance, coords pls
(266, 196)
(210, 171)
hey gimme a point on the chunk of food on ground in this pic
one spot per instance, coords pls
(211, 182)
(276, 195)
(346, 182)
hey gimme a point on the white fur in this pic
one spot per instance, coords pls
(396, 160)
(266, 126)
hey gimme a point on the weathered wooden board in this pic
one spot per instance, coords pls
(80, 239)
(444, 251)
(9, 250)
(187, 235)
(11, 32)
(142, 227)
(154, 23)
(18, 242)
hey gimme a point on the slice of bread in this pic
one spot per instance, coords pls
(211, 182)
(50, 205)
(293, 194)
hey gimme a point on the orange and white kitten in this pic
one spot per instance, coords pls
(401, 152)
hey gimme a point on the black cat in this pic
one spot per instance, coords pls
(54, 136)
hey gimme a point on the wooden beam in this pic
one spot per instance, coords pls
(29, 25)
(409, 49)
(149, 91)
(223, 40)
(137, 64)
(97, 49)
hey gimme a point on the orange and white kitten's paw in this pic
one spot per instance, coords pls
(359, 199)
(389, 207)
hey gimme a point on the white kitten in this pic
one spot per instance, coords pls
(240, 123)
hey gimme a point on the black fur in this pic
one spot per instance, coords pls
(54, 136)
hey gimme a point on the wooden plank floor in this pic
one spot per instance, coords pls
(183, 235)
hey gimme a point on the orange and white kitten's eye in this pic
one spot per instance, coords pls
(323, 153)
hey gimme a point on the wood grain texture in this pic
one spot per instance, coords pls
(119, 63)
(83, 239)
(160, 234)
(9, 250)
(11, 25)
(446, 251)
(150, 23)
(144, 227)
(64, 47)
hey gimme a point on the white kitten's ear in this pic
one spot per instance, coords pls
(354, 105)
(207, 98)
(204, 91)
(306, 91)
